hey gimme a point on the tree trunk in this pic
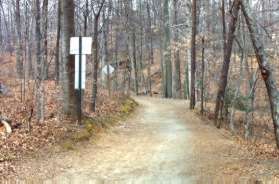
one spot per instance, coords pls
(227, 58)
(40, 67)
(135, 63)
(193, 55)
(167, 52)
(266, 71)
(202, 78)
(45, 32)
(150, 49)
(177, 72)
(57, 54)
(19, 47)
(70, 97)
(95, 63)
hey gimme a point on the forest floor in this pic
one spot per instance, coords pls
(162, 142)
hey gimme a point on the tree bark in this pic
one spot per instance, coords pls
(150, 49)
(193, 55)
(40, 67)
(45, 33)
(58, 39)
(177, 72)
(19, 47)
(70, 97)
(202, 78)
(266, 71)
(227, 58)
(96, 57)
(167, 52)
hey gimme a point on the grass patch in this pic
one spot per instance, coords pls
(93, 126)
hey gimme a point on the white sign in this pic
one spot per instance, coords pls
(86, 45)
(83, 71)
(108, 69)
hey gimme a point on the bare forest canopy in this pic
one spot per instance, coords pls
(222, 55)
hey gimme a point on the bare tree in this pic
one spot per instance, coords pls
(227, 58)
(97, 12)
(193, 55)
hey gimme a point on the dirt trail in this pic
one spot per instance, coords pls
(162, 143)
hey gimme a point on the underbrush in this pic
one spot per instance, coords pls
(262, 142)
(30, 137)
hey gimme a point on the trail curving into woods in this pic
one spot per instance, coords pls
(163, 142)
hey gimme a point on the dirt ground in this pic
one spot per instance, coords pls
(163, 142)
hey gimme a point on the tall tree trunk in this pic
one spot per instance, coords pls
(167, 52)
(85, 15)
(135, 62)
(177, 72)
(227, 58)
(70, 97)
(40, 67)
(96, 56)
(45, 32)
(224, 26)
(19, 47)
(95, 63)
(266, 71)
(202, 78)
(186, 73)
(150, 49)
(193, 55)
(58, 40)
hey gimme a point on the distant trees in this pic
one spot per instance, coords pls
(147, 43)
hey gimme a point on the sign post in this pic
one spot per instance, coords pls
(79, 82)
(80, 46)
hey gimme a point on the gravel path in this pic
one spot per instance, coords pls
(162, 143)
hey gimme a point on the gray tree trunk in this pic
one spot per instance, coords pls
(266, 71)
(167, 52)
(19, 47)
(70, 98)
(40, 67)
(58, 40)
(177, 72)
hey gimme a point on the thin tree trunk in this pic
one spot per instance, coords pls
(58, 35)
(95, 63)
(202, 78)
(237, 92)
(45, 32)
(135, 63)
(19, 47)
(96, 57)
(193, 55)
(150, 49)
(226, 64)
